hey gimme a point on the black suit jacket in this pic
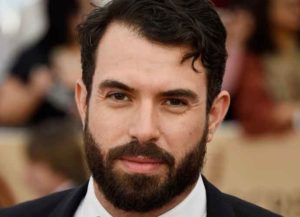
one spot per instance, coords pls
(64, 204)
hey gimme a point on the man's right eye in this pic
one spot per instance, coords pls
(118, 96)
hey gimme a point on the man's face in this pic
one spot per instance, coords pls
(146, 125)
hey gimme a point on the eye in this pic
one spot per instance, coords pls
(176, 105)
(118, 96)
(175, 102)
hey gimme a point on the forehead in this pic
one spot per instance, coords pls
(125, 55)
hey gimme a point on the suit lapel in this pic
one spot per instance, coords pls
(70, 203)
(216, 205)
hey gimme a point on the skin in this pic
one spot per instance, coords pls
(141, 91)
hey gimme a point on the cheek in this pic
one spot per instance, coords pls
(107, 127)
(182, 134)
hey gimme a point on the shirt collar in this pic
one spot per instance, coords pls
(90, 206)
(195, 203)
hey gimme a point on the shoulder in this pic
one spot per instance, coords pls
(246, 209)
(35, 208)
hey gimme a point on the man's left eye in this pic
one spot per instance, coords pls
(175, 102)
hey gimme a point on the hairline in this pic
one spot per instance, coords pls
(137, 30)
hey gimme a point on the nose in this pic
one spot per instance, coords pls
(144, 126)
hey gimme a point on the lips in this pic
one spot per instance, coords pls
(140, 164)
(141, 160)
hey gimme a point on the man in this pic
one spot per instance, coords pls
(149, 101)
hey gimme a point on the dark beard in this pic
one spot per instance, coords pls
(138, 192)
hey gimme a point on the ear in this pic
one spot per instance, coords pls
(217, 113)
(80, 98)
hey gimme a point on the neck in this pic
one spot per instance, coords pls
(118, 212)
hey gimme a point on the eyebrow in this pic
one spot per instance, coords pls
(180, 93)
(170, 93)
(115, 84)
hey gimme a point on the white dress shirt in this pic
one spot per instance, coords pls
(192, 206)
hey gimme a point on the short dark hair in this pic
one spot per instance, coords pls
(193, 23)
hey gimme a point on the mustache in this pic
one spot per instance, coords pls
(135, 148)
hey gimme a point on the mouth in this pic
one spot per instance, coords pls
(141, 164)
